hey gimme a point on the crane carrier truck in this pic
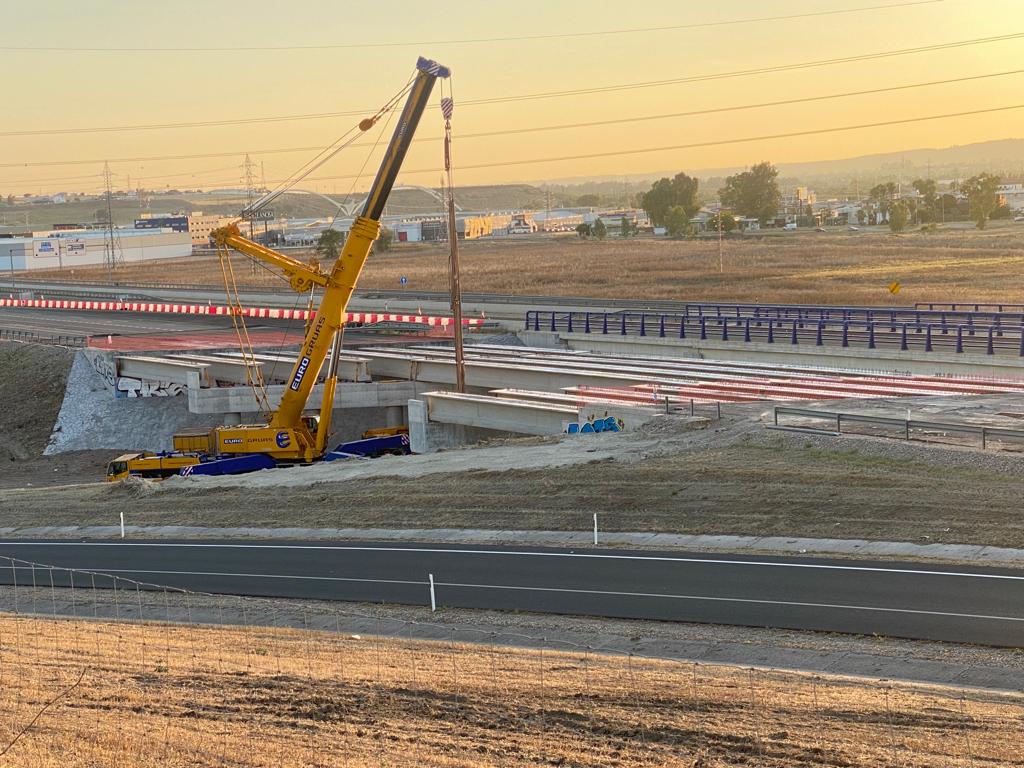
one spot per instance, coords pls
(290, 436)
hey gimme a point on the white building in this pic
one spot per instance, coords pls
(79, 248)
(1013, 194)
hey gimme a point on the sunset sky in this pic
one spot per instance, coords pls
(54, 89)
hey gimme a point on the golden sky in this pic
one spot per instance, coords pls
(50, 89)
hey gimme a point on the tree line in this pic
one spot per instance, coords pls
(754, 193)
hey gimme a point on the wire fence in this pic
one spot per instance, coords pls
(98, 670)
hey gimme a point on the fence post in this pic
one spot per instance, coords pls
(691, 406)
(989, 349)
(725, 329)
(983, 441)
(792, 338)
(959, 338)
(871, 334)
(818, 340)
(527, 320)
(622, 330)
(661, 327)
(553, 320)
(604, 327)
(586, 323)
(775, 413)
(928, 338)
(703, 327)
(839, 423)
(643, 323)
(771, 332)
(903, 338)
(568, 327)
(746, 331)
(846, 333)
(682, 329)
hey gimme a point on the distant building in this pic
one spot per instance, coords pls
(196, 224)
(70, 249)
(1012, 195)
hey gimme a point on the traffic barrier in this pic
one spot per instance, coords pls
(218, 310)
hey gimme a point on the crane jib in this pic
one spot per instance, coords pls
(427, 72)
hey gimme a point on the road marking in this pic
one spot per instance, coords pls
(516, 553)
(562, 590)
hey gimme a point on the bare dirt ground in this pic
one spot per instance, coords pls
(92, 692)
(32, 380)
(837, 267)
(732, 478)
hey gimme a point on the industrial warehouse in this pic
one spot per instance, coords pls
(68, 249)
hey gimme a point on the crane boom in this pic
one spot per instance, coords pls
(288, 436)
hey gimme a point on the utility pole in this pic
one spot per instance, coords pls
(113, 256)
(721, 262)
(447, 109)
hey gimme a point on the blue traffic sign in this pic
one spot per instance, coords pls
(403, 280)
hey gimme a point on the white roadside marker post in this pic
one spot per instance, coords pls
(433, 596)
(595, 529)
(122, 525)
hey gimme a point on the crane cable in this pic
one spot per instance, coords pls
(332, 149)
(253, 372)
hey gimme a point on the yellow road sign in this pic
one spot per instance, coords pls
(894, 288)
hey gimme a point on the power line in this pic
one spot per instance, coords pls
(716, 142)
(702, 144)
(473, 40)
(645, 118)
(531, 96)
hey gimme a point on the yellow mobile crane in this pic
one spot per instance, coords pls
(288, 436)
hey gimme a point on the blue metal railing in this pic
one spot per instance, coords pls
(868, 331)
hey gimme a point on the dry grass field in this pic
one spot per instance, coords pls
(827, 268)
(85, 693)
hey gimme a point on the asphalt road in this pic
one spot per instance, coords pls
(970, 605)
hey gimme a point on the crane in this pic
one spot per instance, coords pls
(287, 435)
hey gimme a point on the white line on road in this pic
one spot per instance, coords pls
(515, 553)
(561, 590)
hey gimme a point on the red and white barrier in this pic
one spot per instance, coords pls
(201, 309)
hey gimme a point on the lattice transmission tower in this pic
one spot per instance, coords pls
(113, 256)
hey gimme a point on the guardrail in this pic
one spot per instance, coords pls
(905, 424)
(59, 340)
(969, 307)
(844, 333)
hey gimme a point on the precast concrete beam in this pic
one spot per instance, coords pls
(222, 368)
(516, 416)
(279, 367)
(383, 394)
(882, 360)
(494, 375)
(189, 374)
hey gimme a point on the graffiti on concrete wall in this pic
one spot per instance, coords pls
(106, 368)
(129, 387)
(606, 424)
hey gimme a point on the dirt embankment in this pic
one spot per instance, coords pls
(32, 383)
